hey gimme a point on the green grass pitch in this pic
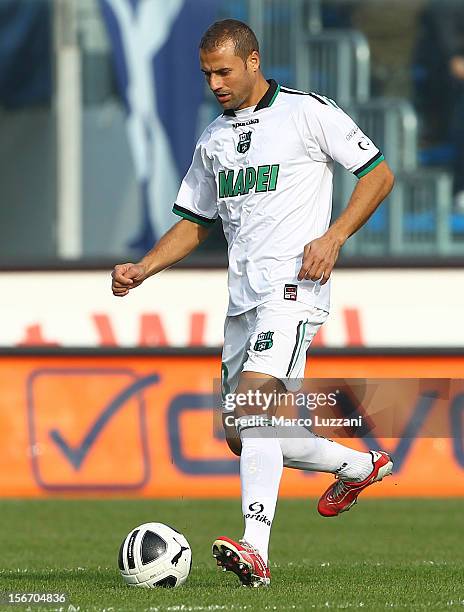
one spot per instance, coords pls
(382, 555)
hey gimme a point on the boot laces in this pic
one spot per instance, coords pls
(251, 548)
(339, 489)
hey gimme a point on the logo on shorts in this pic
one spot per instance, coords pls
(244, 142)
(290, 292)
(264, 341)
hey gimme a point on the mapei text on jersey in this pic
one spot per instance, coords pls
(234, 183)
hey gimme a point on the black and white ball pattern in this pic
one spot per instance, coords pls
(155, 555)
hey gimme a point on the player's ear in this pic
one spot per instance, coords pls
(253, 61)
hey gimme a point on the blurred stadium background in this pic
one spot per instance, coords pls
(101, 102)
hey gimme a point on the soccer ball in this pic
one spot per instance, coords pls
(155, 555)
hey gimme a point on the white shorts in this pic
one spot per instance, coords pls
(270, 339)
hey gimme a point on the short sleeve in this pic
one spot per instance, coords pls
(332, 134)
(196, 200)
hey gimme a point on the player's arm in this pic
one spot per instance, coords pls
(178, 242)
(320, 255)
(196, 204)
(331, 135)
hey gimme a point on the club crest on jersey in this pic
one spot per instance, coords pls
(264, 341)
(244, 142)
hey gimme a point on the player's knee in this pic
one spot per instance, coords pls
(232, 438)
(235, 444)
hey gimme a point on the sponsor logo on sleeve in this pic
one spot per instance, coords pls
(352, 133)
(364, 144)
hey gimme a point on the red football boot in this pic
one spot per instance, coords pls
(343, 494)
(243, 560)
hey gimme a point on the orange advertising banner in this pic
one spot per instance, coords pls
(143, 426)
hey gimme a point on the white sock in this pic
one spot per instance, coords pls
(261, 466)
(306, 451)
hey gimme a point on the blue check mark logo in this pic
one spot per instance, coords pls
(76, 455)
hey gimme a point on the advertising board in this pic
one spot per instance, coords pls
(143, 425)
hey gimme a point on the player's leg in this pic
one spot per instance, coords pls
(232, 438)
(284, 356)
(290, 328)
(237, 332)
(260, 473)
(256, 442)
(354, 470)
(261, 462)
(303, 450)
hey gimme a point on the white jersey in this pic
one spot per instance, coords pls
(267, 172)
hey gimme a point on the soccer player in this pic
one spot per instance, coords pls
(265, 167)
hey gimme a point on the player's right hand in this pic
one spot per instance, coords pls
(126, 277)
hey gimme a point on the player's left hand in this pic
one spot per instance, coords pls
(319, 257)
